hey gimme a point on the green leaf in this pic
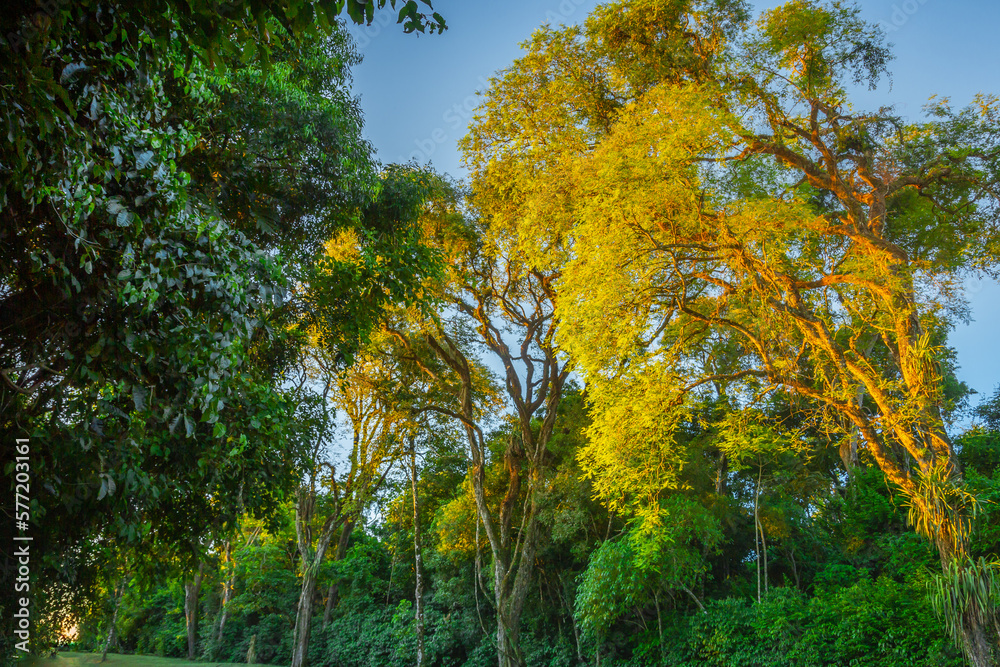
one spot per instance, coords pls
(356, 10)
(143, 158)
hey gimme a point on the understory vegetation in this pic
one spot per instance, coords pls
(846, 578)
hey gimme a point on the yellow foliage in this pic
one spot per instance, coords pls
(344, 246)
(455, 525)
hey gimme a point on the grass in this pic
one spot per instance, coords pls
(69, 659)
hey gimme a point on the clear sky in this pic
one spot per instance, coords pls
(418, 93)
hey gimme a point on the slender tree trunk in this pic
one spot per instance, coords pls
(192, 589)
(252, 651)
(303, 612)
(722, 475)
(659, 621)
(563, 596)
(418, 560)
(229, 585)
(311, 560)
(331, 602)
(576, 629)
(477, 582)
(227, 592)
(756, 532)
(114, 619)
(763, 544)
(525, 456)
(795, 568)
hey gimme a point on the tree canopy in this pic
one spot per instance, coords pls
(170, 177)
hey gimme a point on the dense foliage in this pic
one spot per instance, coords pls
(667, 384)
(165, 200)
(847, 577)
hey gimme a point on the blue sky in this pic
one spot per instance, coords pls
(418, 93)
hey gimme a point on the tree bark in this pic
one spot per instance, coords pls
(252, 651)
(975, 639)
(756, 532)
(227, 592)
(418, 562)
(114, 619)
(311, 559)
(303, 614)
(980, 638)
(722, 474)
(228, 585)
(192, 589)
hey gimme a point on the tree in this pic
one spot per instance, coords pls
(504, 299)
(823, 245)
(228, 562)
(192, 590)
(628, 572)
(363, 393)
(151, 227)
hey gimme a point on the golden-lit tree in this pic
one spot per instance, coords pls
(703, 185)
(493, 299)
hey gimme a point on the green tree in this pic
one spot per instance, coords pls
(376, 427)
(154, 217)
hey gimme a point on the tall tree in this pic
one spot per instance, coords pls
(824, 245)
(376, 427)
(498, 298)
(153, 217)
(510, 306)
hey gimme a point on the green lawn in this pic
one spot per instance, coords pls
(68, 659)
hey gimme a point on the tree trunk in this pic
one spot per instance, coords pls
(252, 651)
(976, 641)
(303, 613)
(513, 547)
(659, 622)
(980, 638)
(722, 475)
(191, 591)
(228, 586)
(311, 561)
(227, 592)
(756, 532)
(331, 601)
(114, 619)
(763, 544)
(418, 563)
(512, 577)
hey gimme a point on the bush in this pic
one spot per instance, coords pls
(851, 620)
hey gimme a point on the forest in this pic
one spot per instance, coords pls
(666, 380)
